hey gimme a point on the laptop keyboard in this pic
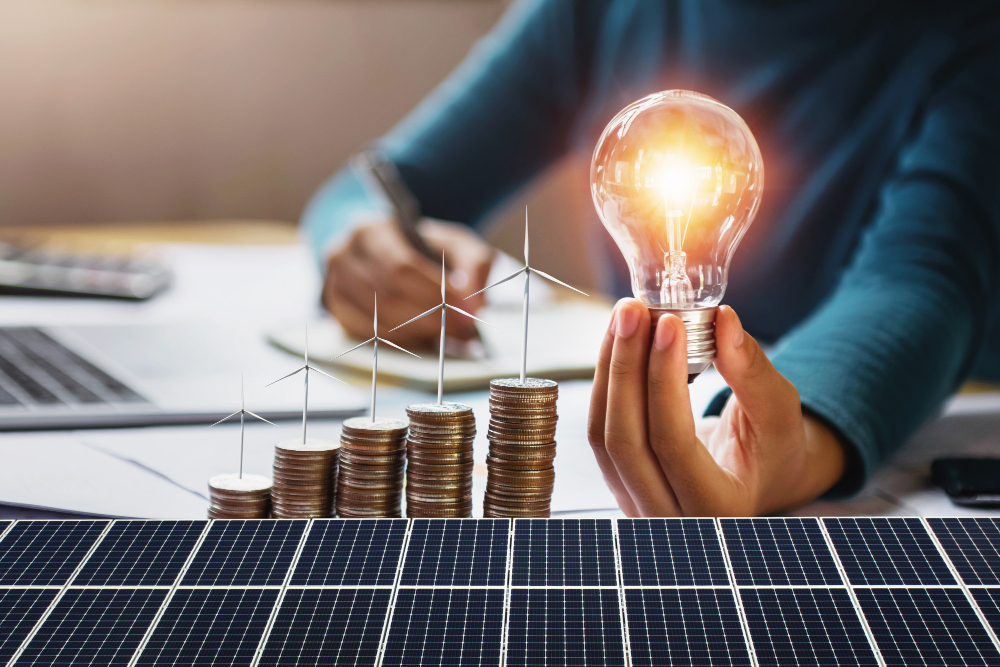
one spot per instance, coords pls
(38, 370)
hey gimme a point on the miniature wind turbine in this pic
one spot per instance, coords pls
(242, 412)
(443, 307)
(527, 271)
(374, 339)
(305, 383)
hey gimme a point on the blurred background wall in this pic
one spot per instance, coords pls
(166, 110)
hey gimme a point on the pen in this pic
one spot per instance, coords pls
(406, 208)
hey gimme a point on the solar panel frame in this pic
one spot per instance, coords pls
(245, 553)
(806, 626)
(20, 611)
(953, 633)
(661, 555)
(972, 544)
(301, 635)
(685, 626)
(563, 552)
(785, 552)
(887, 551)
(454, 625)
(349, 542)
(434, 556)
(193, 627)
(565, 626)
(132, 553)
(93, 626)
(46, 553)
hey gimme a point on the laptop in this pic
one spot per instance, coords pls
(68, 377)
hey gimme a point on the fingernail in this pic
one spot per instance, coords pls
(628, 320)
(665, 335)
(738, 337)
(614, 321)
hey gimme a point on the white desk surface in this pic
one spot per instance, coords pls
(163, 472)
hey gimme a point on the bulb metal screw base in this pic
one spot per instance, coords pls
(700, 326)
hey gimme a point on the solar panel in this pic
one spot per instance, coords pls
(45, 553)
(805, 626)
(245, 553)
(446, 626)
(20, 610)
(210, 626)
(988, 600)
(928, 626)
(94, 627)
(341, 552)
(671, 552)
(779, 552)
(141, 553)
(972, 546)
(563, 552)
(565, 626)
(340, 626)
(469, 552)
(889, 551)
(698, 626)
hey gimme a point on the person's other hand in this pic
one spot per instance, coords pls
(377, 259)
(761, 456)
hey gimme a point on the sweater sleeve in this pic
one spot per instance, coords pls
(905, 324)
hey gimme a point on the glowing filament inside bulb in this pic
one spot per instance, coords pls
(677, 180)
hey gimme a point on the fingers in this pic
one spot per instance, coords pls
(625, 430)
(596, 420)
(761, 390)
(700, 485)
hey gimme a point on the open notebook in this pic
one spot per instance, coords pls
(563, 342)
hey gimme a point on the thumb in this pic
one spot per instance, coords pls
(756, 383)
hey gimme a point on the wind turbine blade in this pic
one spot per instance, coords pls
(316, 370)
(306, 353)
(468, 315)
(224, 419)
(510, 277)
(375, 326)
(399, 348)
(548, 277)
(254, 414)
(295, 372)
(442, 277)
(419, 317)
(526, 262)
(353, 348)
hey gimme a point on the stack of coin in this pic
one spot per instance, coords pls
(305, 479)
(372, 456)
(439, 460)
(236, 497)
(522, 436)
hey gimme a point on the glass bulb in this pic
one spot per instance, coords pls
(676, 179)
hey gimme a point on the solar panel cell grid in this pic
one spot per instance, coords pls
(552, 626)
(684, 627)
(45, 553)
(887, 551)
(94, 627)
(342, 552)
(973, 546)
(20, 609)
(805, 626)
(141, 553)
(988, 600)
(205, 627)
(327, 627)
(671, 552)
(245, 553)
(467, 552)
(929, 626)
(446, 627)
(563, 552)
(779, 552)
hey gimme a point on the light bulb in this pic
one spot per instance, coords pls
(676, 179)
